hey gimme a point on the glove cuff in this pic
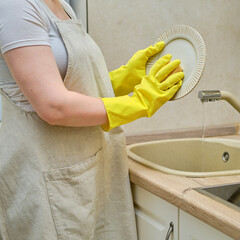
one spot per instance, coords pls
(122, 110)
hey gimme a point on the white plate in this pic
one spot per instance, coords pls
(184, 43)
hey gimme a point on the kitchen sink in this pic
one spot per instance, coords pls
(228, 194)
(190, 157)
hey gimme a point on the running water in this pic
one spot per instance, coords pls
(203, 136)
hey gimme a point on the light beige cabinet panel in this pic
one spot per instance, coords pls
(191, 228)
(153, 216)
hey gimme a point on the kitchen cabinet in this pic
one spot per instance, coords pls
(191, 228)
(154, 215)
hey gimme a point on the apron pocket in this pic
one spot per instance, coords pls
(76, 199)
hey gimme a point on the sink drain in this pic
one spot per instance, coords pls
(225, 156)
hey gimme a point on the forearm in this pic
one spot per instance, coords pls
(35, 70)
(75, 110)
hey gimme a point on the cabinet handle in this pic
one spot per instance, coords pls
(170, 230)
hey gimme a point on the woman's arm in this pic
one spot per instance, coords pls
(35, 70)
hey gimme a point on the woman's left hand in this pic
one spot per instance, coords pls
(125, 78)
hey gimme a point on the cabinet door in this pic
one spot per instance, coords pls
(191, 228)
(153, 215)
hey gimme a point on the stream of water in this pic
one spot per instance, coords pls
(203, 136)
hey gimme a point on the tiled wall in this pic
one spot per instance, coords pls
(121, 27)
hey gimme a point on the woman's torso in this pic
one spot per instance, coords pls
(35, 28)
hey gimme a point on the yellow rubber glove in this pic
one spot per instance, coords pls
(125, 78)
(154, 90)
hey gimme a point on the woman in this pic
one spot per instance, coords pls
(61, 175)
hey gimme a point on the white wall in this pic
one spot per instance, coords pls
(121, 27)
(80, 8)
(0, 109)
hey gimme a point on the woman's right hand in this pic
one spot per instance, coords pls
(160, 85)
(154, 90)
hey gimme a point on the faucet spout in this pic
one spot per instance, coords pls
(212, 95)
(209, 95)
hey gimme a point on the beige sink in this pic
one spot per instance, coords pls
(189, 157)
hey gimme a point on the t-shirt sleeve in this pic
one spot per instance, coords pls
(21, 24)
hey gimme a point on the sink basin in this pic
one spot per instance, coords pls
(228, 194)
(191, 157)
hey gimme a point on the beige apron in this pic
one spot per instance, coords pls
(65, 183)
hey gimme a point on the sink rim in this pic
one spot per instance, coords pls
(171, 171)
(203, 191)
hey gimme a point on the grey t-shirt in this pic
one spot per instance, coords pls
(27, 23)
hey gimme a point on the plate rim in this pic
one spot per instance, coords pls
(194, 37)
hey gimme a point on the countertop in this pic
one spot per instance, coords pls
(179, 191)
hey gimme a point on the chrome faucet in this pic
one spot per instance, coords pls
(213, 95)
